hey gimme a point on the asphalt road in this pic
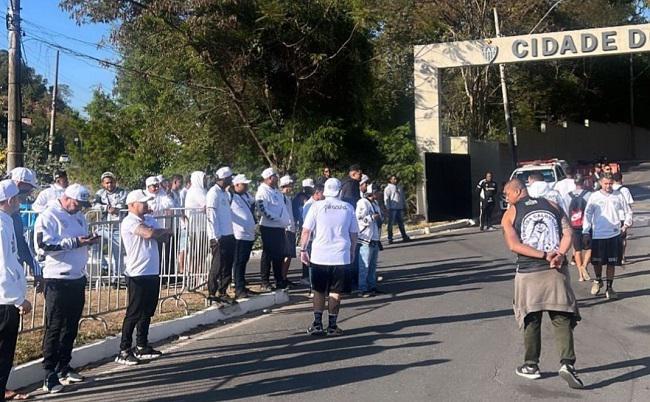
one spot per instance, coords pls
(443, 332)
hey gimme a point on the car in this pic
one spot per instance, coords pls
(552, 170)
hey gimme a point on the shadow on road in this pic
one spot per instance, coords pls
(641, 371)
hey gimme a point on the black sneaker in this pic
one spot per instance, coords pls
(126, 358)
(51, 383)
(568, 374)
(68, 376)
(146, 352)
(315, 330)
(334, 331)
(530, 371)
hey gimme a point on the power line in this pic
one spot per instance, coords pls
(116, 65)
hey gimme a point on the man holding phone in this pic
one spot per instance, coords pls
(140, 233)
(13, 285)
(61, 236)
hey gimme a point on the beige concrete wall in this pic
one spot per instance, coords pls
(577, 142)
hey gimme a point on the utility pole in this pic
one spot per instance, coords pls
(53, 116)
(632, 122)
(14, 113)
(506, 105)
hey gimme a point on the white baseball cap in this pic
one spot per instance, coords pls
(8, 189)
(161, 178)
(138, 196)
(24, 175)
(308, 183)
(285, 181)
(78, 192)
(107, 174)
(332, 187)
(364, 179)
(268, 172)
(224, 173)
(152, 180)
(240, 179)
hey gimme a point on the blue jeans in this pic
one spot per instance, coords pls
(368, 266)
(111, 241)
(395, 216)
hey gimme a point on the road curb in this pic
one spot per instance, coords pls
(440, 228)
(32, 372)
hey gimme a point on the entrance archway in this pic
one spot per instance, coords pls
(430, 59)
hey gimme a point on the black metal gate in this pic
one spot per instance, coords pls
(449, 186)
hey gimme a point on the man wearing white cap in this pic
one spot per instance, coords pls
(221, 237)
(25, 180)
(51, 193)
(286, 187)
(140, 234)
(243, 224)
(369, 218)
(160, 204)
(274, 220)
(333, 247)
(109, 200)
(13, 285)
(62, 238)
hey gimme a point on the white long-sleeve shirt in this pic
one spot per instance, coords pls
(272, 208)
(603, 214)
(56, 235)
(13, 285)
(218, 212)
(243, 220)
(368, 228)
(46, 196)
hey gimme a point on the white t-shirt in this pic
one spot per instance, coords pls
(604, 213)
(565, 186)
(141, 254)
(332, 220)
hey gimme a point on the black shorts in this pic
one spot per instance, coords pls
(328, 278)
(579, 242)
(606, 251)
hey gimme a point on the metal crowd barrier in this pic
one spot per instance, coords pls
(184, 266)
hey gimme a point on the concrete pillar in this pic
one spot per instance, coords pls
(428, 133)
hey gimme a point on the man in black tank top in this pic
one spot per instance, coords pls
(538, 232)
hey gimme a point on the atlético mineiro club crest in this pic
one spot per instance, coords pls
(489, 53)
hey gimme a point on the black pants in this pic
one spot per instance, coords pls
(143, 298)
(223, 256)
(272, 254)
(242, 255)
(395, 217)
(9, 322)
(485, 219)
(64, 303)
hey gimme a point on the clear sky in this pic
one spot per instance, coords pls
(43, 20)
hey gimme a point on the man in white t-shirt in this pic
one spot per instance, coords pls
(566, 185)
(332, 250)
(140, 234)
(627, 196)
(602, 228)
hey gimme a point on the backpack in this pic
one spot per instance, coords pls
(577, 209)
